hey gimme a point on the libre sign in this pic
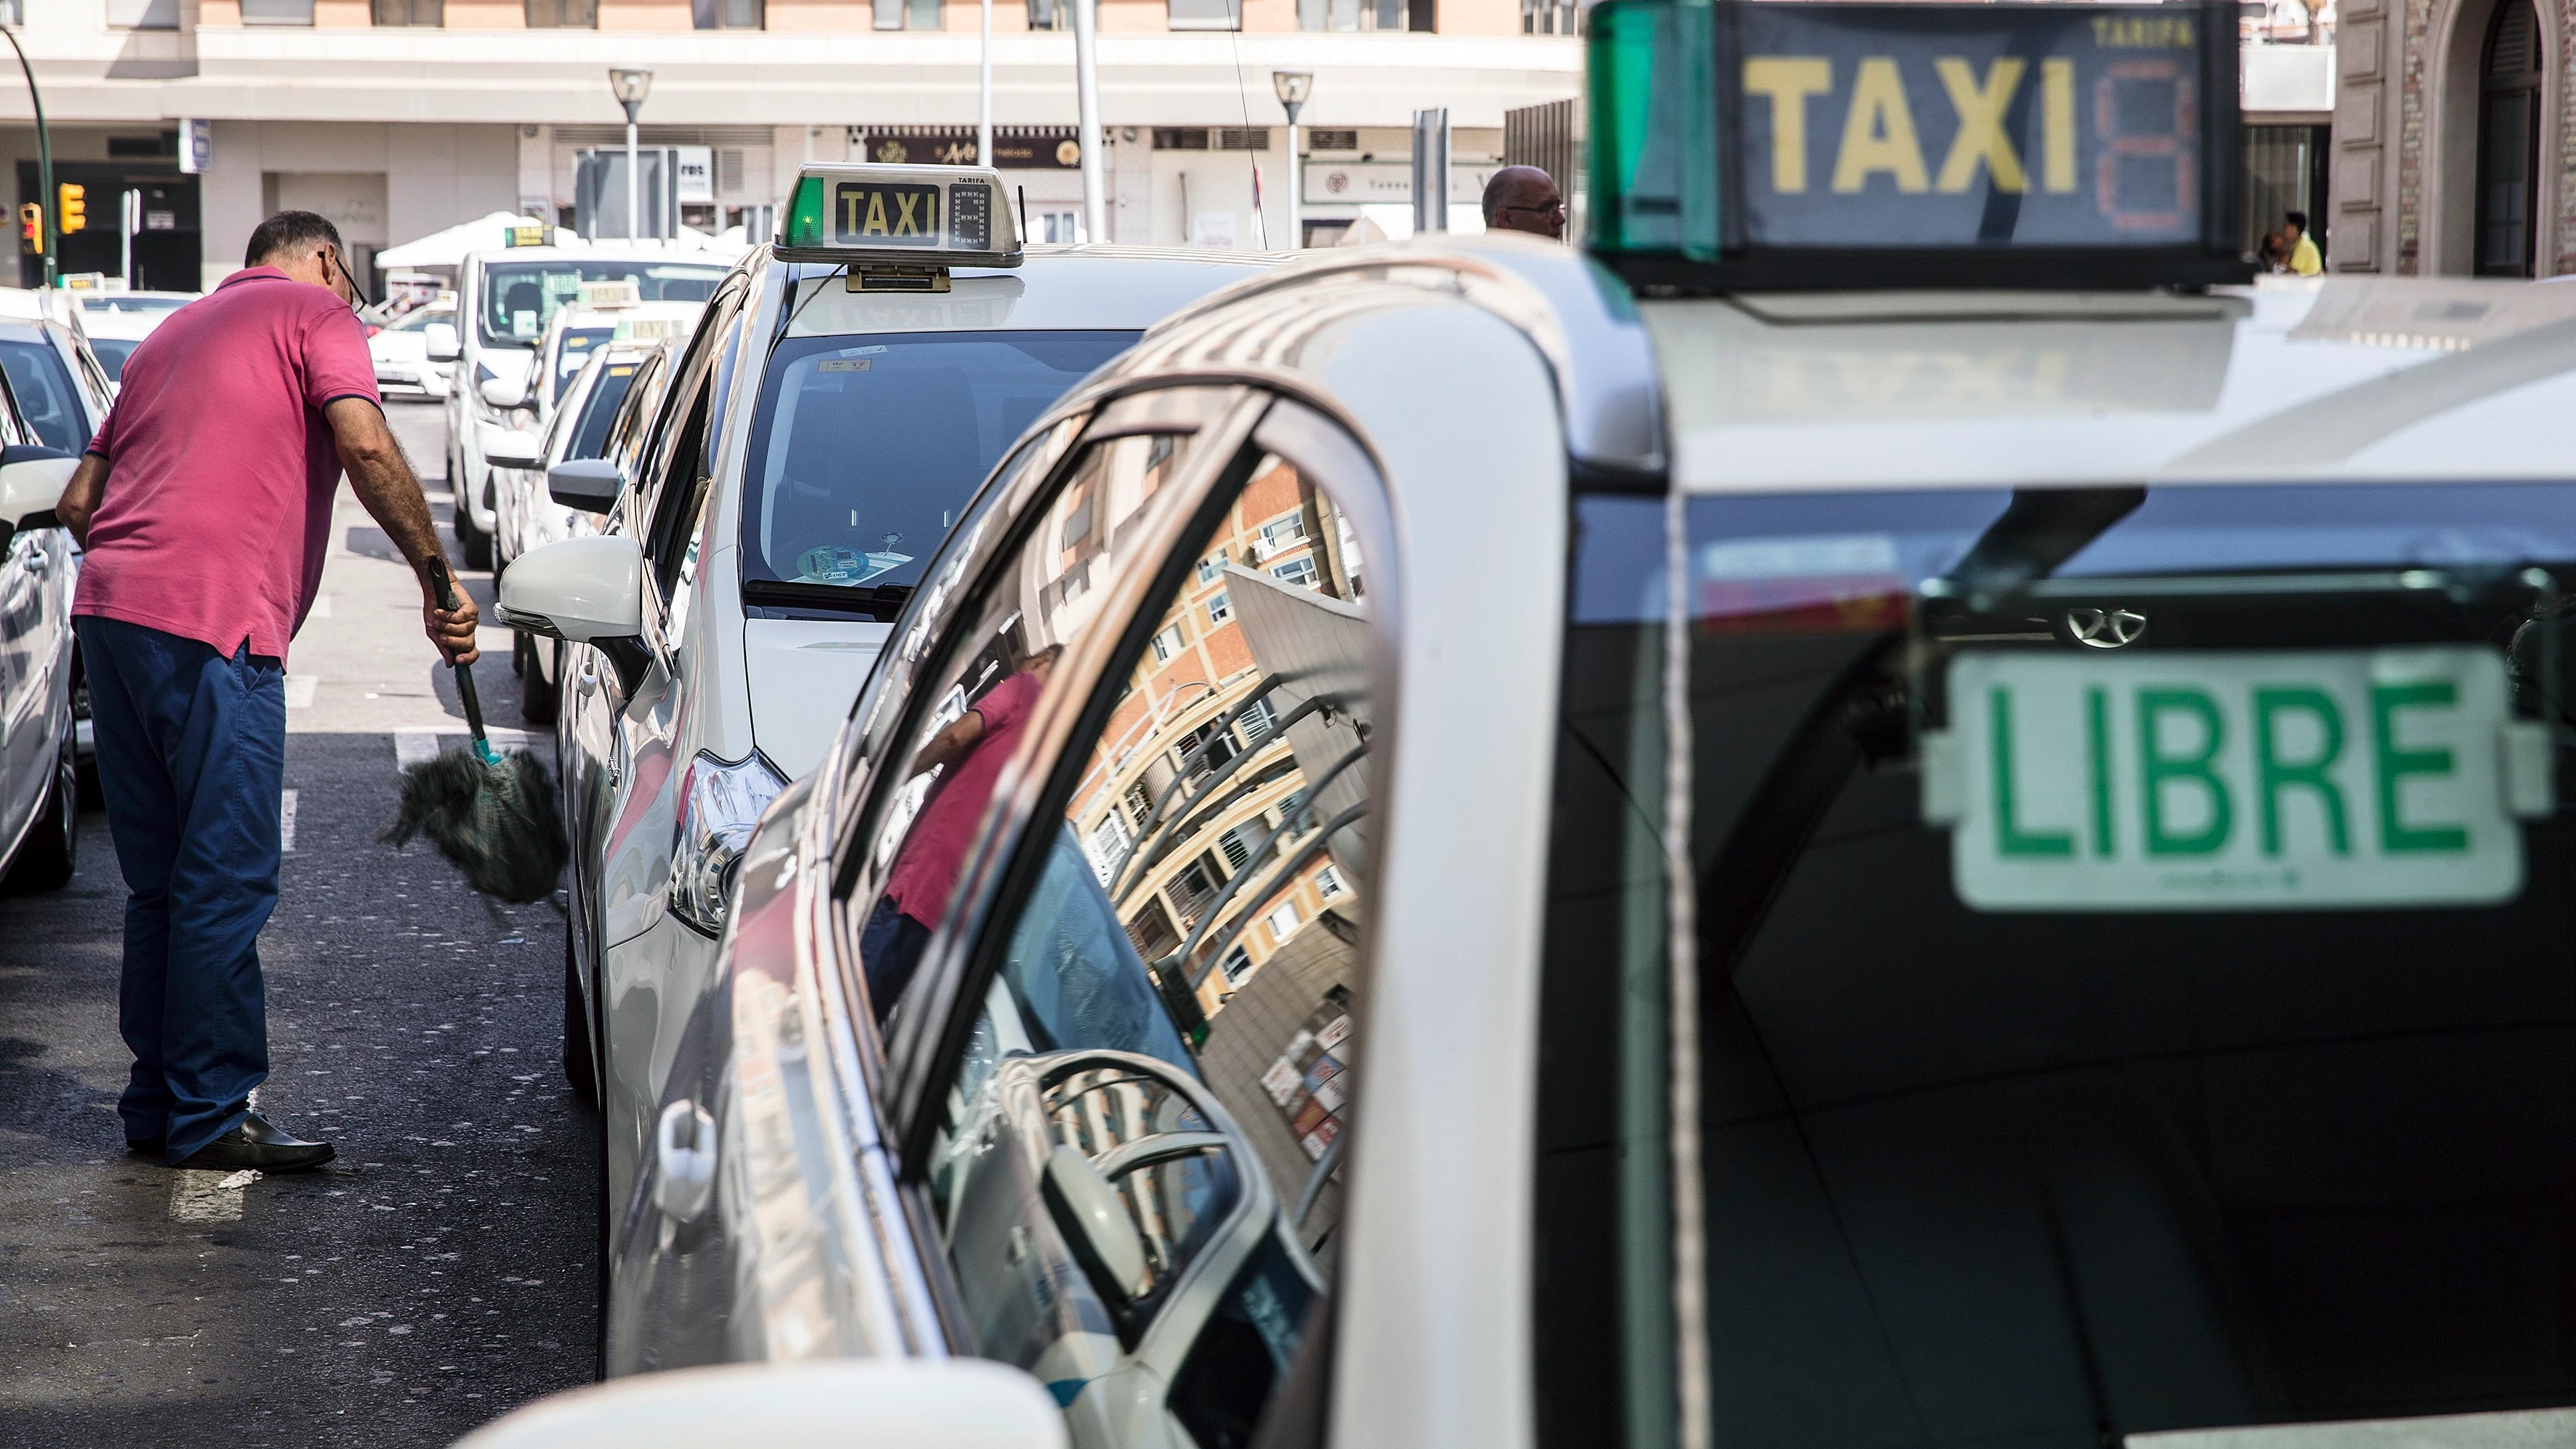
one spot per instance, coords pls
(2255, 781)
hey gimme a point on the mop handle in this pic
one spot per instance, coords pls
(464, 672)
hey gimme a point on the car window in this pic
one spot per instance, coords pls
(1133, 1166)
(575, 352)
(865, 449)
(2132, 974)
(682, 472)
(519, 298)
(112, 352)
(43, 386)
(420, 319)
(599, 409)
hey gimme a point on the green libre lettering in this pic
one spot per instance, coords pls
(2159, 772)
(1879, 135)
(2274, 774)
(2010, 838)
(2396, 764)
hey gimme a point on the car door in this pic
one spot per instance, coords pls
(637, 820)
(1119, 1060)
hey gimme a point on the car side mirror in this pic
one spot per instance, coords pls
(589, 484)
(439, 338)
(954, 1403)
(514, 448)
(32, 480)
(584, 591)
(501, 392)
(1096, 1226)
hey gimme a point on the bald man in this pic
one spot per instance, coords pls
(1524, 198)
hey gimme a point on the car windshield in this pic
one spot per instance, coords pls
(112, 352)
(866, 448)
(577, 343)
(599, 410)
(419, 320)
(519, 297)
(2136, 965)
(44, 390)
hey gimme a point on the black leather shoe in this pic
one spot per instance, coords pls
(258, 1143)
(147, 1146)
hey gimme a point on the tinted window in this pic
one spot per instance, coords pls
(1164, 1050)
(577, 342)
(599, 410)
(2134, 964)
(865, 449)
(112, 352)
(44, 389)
(520, 297)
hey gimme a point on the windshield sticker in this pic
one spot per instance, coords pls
(1828, 583)
(832, 564)
(844, 364)
(2254, 781)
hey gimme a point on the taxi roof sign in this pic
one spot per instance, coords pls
(1823, 144)
(878, 218)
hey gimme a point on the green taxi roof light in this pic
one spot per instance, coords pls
(804, 227)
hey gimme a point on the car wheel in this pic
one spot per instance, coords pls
(537, 694)
(52, 849)
(473, 542)
(580, 1065)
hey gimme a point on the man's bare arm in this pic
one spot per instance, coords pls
(81, 495)
(385, 485)
(945, 746)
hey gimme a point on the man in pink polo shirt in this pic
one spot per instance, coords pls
(204, 506)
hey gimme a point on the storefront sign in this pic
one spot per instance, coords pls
(1015, 148)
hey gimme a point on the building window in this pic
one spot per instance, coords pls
(1257, 721)
(13, 13)
(920, 15)
(277, 12)
(1299, 571)
(1109, 846)
(1205, 15)
(1236, 966)
(1366, 14)
(1282, 921)
(1236, 845)
(1167, 645)
(1139, 806)
(410, 12)
(1328, 884)
(727, 14)
(1049, 15)
(1281, 533)
(1058, 228)
(2508, 141)
(1220, 608)
(563, 14)
(1212, 567)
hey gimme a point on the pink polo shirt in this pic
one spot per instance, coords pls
(221, 467)
(925, 874)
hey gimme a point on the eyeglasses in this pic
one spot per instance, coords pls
(1548, 208)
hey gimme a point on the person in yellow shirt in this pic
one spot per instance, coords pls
(2305, 259)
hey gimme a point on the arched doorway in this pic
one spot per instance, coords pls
(2508, 141)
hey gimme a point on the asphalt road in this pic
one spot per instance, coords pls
(443, 1270)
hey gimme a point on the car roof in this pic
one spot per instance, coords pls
(1056, 288)
(2345, 378)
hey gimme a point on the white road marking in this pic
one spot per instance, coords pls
(419, 746)
(299, 690)
(286, 822)
(208, 1197)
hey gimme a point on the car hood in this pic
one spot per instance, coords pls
(398, 346)
(805, 674)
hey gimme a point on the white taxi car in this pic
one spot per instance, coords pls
(1486, 849)
(39, 566)
(808, 449)
(504, 300)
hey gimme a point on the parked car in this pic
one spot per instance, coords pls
(115, 321)
(39, 740)
(402, 350)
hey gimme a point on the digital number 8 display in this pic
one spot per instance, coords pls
(2146, 115)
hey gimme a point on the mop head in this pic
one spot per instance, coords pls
(496, 821)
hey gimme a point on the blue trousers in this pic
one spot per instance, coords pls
(191, 757)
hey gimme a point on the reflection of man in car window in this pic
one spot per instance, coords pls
(973, 747)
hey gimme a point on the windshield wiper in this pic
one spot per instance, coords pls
(881, 602)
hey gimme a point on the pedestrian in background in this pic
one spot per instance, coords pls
(204, 507)
(1524, 198)
(2305, 259)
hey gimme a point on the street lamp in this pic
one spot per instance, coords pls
(630, 87)
(1293, 86)
(44, 159)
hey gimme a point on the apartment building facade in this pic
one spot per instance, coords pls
(401, 117)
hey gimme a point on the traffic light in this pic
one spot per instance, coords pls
(31, 228)
(75, 210)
